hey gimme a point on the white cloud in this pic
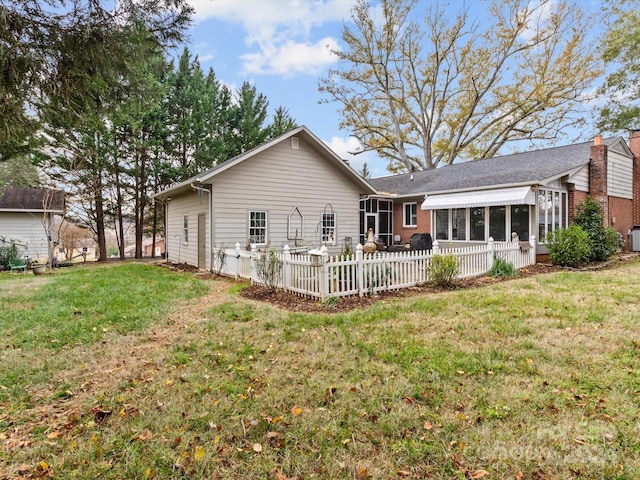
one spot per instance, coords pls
(346, 149)
(281, 32)
(290, 58)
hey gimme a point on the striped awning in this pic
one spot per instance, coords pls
(480, 198)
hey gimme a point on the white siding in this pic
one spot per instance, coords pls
(620, 175)
(581, 179)
(190, 204)
(277, 180)
(27, 231)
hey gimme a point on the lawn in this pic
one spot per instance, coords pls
(135, 371)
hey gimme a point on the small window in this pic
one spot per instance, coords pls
(185, 229)
(258, 227)
(410, 218)
(329, 228)
(295, 143)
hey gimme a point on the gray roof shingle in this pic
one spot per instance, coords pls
(30, 199)
(520, 168)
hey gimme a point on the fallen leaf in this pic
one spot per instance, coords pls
(362, 473)
(257, 447)
(272, 434)
(297, 410)
(478, 474)
(519, 475)
(280, 476)
(428, 425)
(403, 473)
(198, 453)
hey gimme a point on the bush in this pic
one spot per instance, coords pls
(444, 270)
(502, 268)
(268, 269)
(569, 247)
(603, 241)
(6, 253)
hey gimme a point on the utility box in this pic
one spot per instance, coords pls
(635, 238)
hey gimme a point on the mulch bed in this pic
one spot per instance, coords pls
(292, 302)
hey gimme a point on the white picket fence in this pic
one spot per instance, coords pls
(319, 275)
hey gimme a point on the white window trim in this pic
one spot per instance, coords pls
(185, 229)
(404, 215)
(266, 226)
(335, 228)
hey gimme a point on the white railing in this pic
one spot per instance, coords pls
(319, 275)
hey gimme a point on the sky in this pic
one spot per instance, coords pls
(283, 48)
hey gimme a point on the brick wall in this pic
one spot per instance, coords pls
(621, 217)
(424, 221)
(575, 198)
(598, 176)
(634, 145)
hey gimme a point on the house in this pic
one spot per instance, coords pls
(529, 193)
(148, 248)
(291, 190)
(25, 216)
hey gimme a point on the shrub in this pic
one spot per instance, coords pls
(502, 268)
(268, 269)
(6, 253)
(602, 241)
(569, 247)
(444, 270)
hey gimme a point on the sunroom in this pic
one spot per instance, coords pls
(475, 216)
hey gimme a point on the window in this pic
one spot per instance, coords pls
(552, 211)
(442, 224)
(477, 223)
(520, 221)
(185, 229)
(410, 218)
(459, 224)
(258, 227)
(329, 228)
(497, 223)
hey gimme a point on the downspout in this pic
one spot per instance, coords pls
(200, 188)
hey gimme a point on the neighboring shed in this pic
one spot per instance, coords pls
(292, 190)
(24, 212)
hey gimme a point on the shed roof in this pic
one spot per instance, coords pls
(526, 168)
(31, 200)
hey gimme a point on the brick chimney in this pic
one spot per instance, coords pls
(598, 175)
(634, 146)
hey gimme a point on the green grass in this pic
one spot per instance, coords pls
(537, 375)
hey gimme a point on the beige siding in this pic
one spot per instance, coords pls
(620, 175)
(276, 181)
(191, 205)
(26, 231)
(581, 179)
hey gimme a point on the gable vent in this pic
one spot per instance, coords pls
(295, 143)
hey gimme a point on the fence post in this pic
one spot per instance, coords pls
(532, 250)
(436, 247)
(286, 257)
(490, 253)
(254, 253)
(324, 273)
(360, 269)
(237, 260)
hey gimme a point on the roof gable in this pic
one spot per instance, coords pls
(328, 154)
(526, 168)
(31, 200)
